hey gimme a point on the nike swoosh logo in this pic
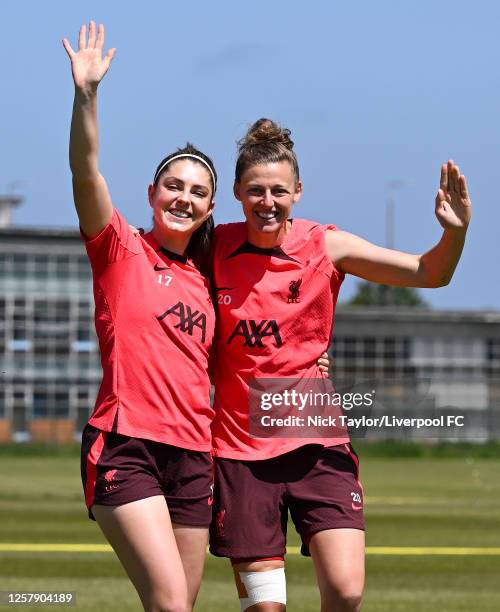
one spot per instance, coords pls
(356, 507)
(157, 268)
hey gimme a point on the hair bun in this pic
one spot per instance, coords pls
(265, 131)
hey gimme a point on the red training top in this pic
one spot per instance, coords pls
(154, 320)
(275, 318)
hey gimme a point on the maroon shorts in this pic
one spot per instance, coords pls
(318, 485)
(117, 470)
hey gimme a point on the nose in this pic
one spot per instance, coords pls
(268, 198)
(184, 197)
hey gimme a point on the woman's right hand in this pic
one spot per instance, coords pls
(87, 64)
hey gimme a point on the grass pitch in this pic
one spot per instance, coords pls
(417, 502)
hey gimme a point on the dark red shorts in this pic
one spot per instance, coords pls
(318, 485)
(118, 470)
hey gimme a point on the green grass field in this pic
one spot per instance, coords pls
(410, 502)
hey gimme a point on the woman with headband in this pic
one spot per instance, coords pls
(277, 283)
(146, 465)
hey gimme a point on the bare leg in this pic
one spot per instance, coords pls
(257, 566)
(192, 545)
(339, 559)
(142, 536)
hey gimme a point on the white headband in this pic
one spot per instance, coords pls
(171, 159)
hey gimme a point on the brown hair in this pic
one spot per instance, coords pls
(265, 142)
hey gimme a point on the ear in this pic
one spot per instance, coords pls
(298, 192)
(151, 192)
(211, 209)
(236, 190)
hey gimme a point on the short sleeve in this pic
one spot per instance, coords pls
(337, 275)
(114, 243)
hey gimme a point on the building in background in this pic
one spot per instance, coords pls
(423, 362)
(49, 358)
(416, 360)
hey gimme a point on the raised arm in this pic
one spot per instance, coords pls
(434, 268)
(90, 192)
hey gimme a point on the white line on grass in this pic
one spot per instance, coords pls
(291, 550)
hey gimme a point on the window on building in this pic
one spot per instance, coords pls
(19, 332)
(41, 309)
(61, 404)
(20, 345)
(20, 264)
(61, 348)
(83, 268)
(493, 349)
(3, 316)
(19, 406)
(83, 334)
(41, 347)
(41, 267)
(62, 311)
(3, 264)
(63, 266)
(389, 345)
(349, 348)
(40, 403)
(369, 348)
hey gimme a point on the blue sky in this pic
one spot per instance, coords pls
(372, 91)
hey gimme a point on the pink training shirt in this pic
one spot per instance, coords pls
(275, 318)
(155, 321)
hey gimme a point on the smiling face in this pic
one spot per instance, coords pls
(267, 193)
(181, 200)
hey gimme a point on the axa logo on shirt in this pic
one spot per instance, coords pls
(188, 319)
(254, 332)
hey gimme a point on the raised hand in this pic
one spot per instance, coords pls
(87, 64)
(453, 206)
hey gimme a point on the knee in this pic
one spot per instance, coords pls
(168, 604)
(169, 607)
(343, 600)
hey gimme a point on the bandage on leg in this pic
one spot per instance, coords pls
(269, 585)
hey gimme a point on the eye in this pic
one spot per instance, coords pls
(172, 186)
(200, 194)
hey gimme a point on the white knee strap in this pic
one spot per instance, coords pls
(263, 586)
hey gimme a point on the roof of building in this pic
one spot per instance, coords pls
(400, 313)
(40, 232)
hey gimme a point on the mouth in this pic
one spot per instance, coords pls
(179, 214)
(267, 215)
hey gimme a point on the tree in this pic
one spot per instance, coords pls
(370, 294)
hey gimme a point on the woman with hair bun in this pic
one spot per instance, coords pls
(277, 283)
(146, 464)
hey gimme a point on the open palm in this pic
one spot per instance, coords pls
(87, 64)
(453, 206)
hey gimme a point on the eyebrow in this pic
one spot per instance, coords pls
(277, 186)
(178, 180)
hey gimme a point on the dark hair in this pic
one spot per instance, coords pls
(199, 244)
(265, 142)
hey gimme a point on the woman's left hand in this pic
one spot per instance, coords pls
(324, 363)
(453, 206)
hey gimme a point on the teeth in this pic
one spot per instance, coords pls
(182, 214)
(266, 215)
